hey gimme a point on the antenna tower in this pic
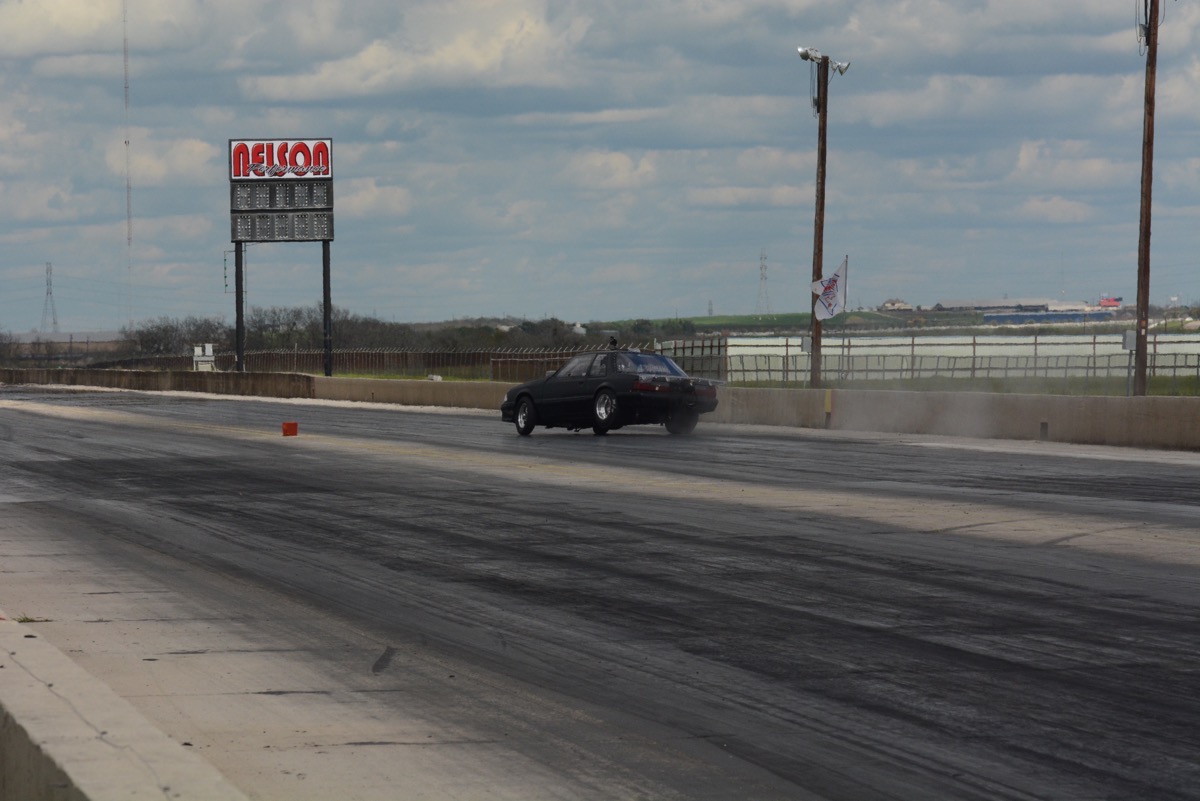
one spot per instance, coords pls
(128, 178)
(764, 300)
(49, 313)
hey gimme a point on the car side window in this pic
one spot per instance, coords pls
(649, 364)
(599, 367)
(577, 367)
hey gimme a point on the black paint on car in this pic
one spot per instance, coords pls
(608, 389)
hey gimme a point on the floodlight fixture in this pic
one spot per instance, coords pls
(813, 54)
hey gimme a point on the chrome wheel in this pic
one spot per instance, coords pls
(525, 417)
(606, 408)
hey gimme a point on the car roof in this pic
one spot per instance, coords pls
(622, 350)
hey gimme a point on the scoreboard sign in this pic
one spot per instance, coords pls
(281, 190)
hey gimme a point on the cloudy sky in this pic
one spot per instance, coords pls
(592, 159)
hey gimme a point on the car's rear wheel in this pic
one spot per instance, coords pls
(682, 421)
(604, 411)
(526, 417)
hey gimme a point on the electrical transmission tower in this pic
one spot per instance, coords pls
(764, 299)
(49, 313)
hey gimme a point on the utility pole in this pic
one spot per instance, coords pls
(1143, 276)
(822, 101)
(821, 105)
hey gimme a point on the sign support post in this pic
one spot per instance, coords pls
(239, 288)
(328, 303)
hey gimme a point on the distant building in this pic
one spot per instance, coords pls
(894, 305)
(1022, 311)
(994, 304)
(1014, 305)
(1056, 316)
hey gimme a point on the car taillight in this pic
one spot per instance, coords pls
(650, 386)
(708, 391)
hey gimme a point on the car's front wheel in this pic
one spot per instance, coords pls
(604, 411)
(526, 417)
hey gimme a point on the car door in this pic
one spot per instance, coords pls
(597, 375)
(560, 397)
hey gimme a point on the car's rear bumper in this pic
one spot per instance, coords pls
(656, 406)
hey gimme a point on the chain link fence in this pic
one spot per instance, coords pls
(507, 365)
(1101, 368)
(1174, 364)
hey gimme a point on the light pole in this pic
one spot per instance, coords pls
(1143, 274)
(821, 104)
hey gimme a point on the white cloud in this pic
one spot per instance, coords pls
(1055, 209)
(455, 43)
(364, 197)
(155, 163)
(56, 26)
(1068, 165)
(623, 274)
(606, 170)
(732, 196)
(72, 28)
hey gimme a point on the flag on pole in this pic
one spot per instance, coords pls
(831, 292)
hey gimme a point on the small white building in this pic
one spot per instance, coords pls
(203, 358)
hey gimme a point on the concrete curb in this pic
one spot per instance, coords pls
(66, 736)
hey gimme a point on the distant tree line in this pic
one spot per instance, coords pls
(280, 328)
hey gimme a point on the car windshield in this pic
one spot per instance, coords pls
(647, 364)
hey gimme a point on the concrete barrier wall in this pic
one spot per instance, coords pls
(1151, 422)
(273, 385)
(1148, 422)
(460, 394)
(772, 407)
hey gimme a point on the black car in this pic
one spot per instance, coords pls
(609, 389)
